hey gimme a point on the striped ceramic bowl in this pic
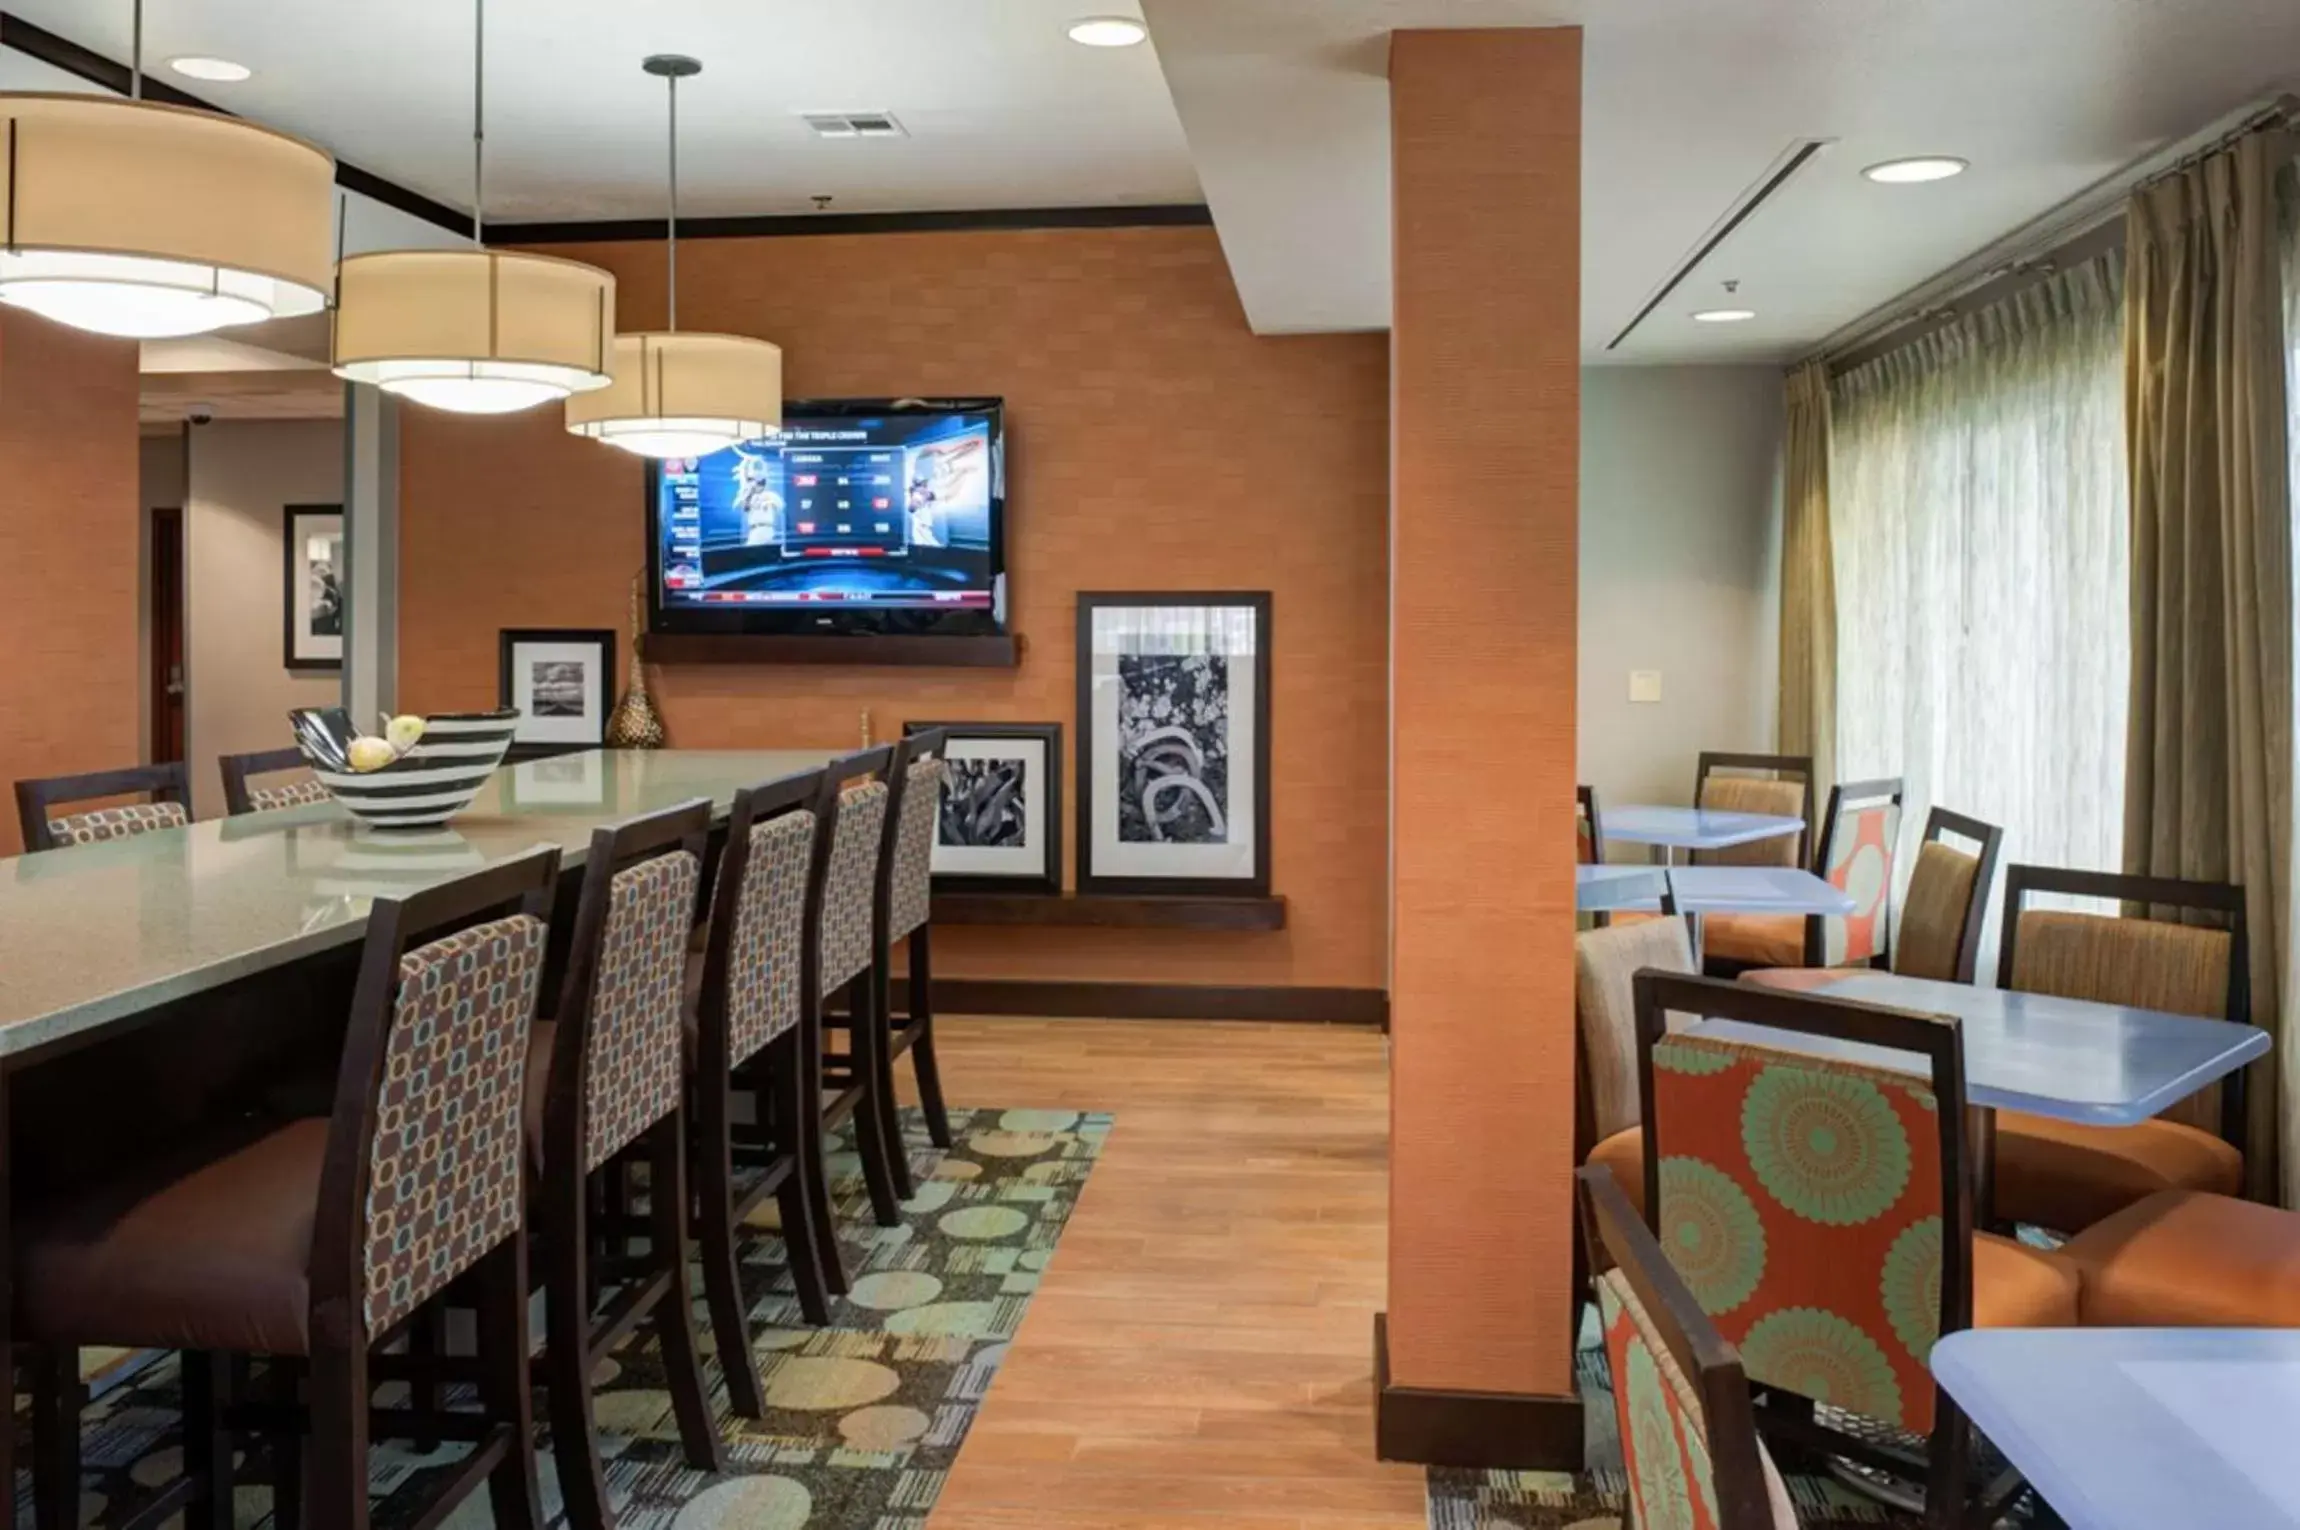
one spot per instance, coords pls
(424, 787)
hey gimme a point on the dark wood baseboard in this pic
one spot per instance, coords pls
(1491, 1431)
(1154, 1001)
(1102, 911)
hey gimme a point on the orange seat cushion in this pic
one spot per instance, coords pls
(1796, 979)
(1624, 1154)
(2186, 1259)
(2015, 1286)
(1766, 940)
(2067, 1176)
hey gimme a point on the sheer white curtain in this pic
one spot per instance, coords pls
(1979, 512)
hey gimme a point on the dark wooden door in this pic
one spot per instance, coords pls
(167, 623)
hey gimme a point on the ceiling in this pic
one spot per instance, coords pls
(1275, 112)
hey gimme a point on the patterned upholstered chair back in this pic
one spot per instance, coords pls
(632, 1071)
(262, 799)
(241, 795)
(1808, 1203)
(116, 822)
(1605, 1003)
(1782, 793)
(1858, 843)
(910, 884)
(444, 1164)
(1689, 1445)
(850, 886)
(2181, 969)
(41, 804)
(764, 964)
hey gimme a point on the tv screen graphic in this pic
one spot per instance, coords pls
(856, 517)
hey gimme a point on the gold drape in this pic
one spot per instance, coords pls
(2208, 754)
(1807, 718)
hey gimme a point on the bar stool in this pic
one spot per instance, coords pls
(756, 1033)
(904, 912)
(315, 1243)
(37, 800)
(605, 1082)
(239, 797)
(856, 798)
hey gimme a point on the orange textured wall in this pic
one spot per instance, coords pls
(1154, 443)
(1485, 337)
(70, 551)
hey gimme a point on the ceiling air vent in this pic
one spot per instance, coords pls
(854, 124)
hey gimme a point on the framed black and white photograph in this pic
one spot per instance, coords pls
(312, 599)
(561, 681)
(999, 826)
(1173, 743)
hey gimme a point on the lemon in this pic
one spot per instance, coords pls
(370, 753)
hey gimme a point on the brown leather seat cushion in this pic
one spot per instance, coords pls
(2185, 1259)
(1624, 1154)
(1796, 979)
(202, 1251)
(2067, 1176)
(2015, 1286)
(1768, 940)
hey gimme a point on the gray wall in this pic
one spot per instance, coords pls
(1680, 560)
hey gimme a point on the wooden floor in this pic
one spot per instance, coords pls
(1199, 1353)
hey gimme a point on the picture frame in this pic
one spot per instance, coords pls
(1174, 743)
(561, 681)
(312, 588)
(1011, 840)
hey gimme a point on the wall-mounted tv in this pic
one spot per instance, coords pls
(859, 516)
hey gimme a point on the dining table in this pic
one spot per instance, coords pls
(2139, 1428)
(154, 986)
(1671, 829)
(1700, 890)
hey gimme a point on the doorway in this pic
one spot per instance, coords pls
(166, 622)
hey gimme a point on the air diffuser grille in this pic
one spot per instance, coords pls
(854, 125)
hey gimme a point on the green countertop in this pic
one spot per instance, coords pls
(93, 933)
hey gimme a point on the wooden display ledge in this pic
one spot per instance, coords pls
(1109, 911)
(729, 648)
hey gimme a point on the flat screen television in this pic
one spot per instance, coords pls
(858, 517)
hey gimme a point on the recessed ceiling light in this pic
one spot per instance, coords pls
(1108, 31)
(1924, 167)
(222, 70)
(1724, 315)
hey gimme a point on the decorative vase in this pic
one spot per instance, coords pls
(635, 724)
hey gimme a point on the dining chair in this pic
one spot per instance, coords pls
(313, 1244)
(856, 802)
(1821, 1211)
(1689, 1446)
(240, 797)
(904, 915)
(1780, 784)
(1588, 828)
(44, 829)
(1605, 964)
(1939, 934)
(1860, 839)
(605, 1082)
(758, 1036)
(2066, 1175)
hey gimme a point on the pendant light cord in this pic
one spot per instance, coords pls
(136, 55)
(673, 290)
(478, 122)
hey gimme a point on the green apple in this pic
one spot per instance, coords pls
(403, 731)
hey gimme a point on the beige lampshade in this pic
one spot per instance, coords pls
(683, 395)
(474, 331)
(129, 218)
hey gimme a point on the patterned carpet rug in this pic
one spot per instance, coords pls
(1592, 1499)
(865, 1417)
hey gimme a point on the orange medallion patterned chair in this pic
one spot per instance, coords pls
(1689, 1445)
(1939, 935)
(317, 1243)
(1860, 837)
(45, 828)
(2065, 1175)
(1821, 1212)
(241, 797)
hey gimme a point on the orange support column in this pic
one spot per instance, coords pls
(1485, 129)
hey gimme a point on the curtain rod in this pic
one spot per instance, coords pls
(2062, 239)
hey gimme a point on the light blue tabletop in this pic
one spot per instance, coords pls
(1708, 890)
(2102, 1064)
(1683, 828)
(2140, 1428)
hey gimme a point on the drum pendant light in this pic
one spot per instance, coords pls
(474, 331)
(153, 222)
(677, 394)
